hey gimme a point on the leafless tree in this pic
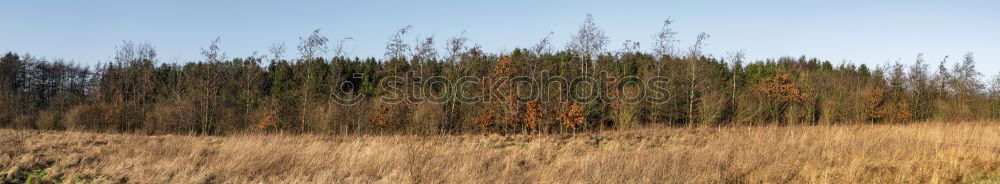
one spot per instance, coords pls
(130, 53)
(313, 46)
(589, 41)
(897, 77)
(130, 80)
(206, 98)
(544, 46)
(629, 46)
(277, 50)
(251, 81)
(942, 78)
(965, 79)
(338, 51)
(736, 62)
(396, 48)
(994, 91)
(424, 50)
(457, 46)
(918, 74)
(920, 83)
(213, 54)
(693, 58)
(663, 42)
(310, 47)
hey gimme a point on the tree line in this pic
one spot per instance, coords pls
(220, 95)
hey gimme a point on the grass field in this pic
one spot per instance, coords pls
(916, 153)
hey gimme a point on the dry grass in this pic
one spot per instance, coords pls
(919, 153)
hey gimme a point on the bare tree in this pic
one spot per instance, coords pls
(312, 46)
(965, 78)
(424, 50)
(918, 74)
(942, 78)
(663, 42)
(213, 53)
(544, 46)
(629, 46)
(251, 81)
(457, 46)
(338, 51)
(12, 71)
(205, 85)
(130, 53)
(131, 81)
(994, 90)
(693, 58)
(736, 60)
(589, 41)
(919, 82)
(277, 50)
(424, 53)
(396, 48)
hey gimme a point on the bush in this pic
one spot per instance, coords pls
(426, 118)
(265, 119)
(24, 121)
(47, 121)
(321, 117)
(390, 117)
(178, 116)
(82, 117)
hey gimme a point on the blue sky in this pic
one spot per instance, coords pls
(871, 32)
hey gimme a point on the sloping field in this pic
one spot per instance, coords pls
(918, 153)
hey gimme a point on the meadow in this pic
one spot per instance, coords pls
(927, 152)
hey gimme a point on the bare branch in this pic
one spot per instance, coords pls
(396, 48)
(313, 45)
(213, 53)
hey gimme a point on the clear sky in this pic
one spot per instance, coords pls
(859, 31)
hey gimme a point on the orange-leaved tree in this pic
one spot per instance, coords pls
(779, 93)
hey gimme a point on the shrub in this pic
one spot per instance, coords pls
(573, 116)
(874, 100)
(82, 117)
(391, 117)
(47, 121)
(778, 94)
(532, 117)
(266, 119)
(427, 116)
(24, 121)
(624, 114)
(319, 117)
(177, 116)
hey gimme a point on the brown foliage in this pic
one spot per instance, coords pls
(573, 116)
(485, 118)
(781, 87)
(779, 94)
(381, 116)
(512, 111)
(504, 68)
(874, 101)
(904, 114)
(533, 116)
(267, 119)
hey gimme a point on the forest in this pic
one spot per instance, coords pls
(323, 91)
